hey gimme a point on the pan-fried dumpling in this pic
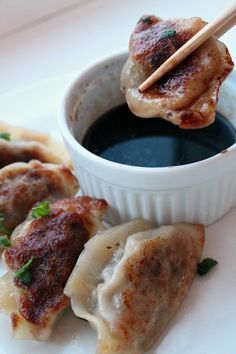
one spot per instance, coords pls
(187, 96)
(44, 251)
(24, 184)
(128, 288)
(25, 145)
(24, 151)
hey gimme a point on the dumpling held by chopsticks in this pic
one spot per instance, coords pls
(186, 96)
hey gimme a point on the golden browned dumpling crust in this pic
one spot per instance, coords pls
(139, 279)
(55, 242)
(24, 151)
(24, 184)
(186, 96)
(25, 145)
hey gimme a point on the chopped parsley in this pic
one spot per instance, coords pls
(42, 209)
(5, 136)
(146, 19)
(23, 273)
(4, 241)
(206, 265)
(3, 229)
(168, 34)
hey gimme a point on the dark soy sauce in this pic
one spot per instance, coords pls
(120, 136)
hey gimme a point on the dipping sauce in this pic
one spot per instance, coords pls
(120, 136)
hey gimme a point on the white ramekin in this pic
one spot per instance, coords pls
(198, 192)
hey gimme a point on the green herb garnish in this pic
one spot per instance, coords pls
(4, 241)
(23, 273)
(145, 19)
(168, 34)
(206, 265)
(5, 136)
(42, 209)
(3, 229)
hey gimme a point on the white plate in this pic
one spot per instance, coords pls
(206, 322)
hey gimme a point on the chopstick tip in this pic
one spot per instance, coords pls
(141, 88)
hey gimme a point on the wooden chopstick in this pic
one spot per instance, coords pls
(218, 27)
(225, 28)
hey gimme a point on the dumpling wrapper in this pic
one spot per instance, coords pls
(24, 184)
(129, 286)
(186, 96)
(26, 145)
(55, 241)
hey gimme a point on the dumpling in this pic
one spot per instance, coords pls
(129, 287)
(24, 151)
(24, 184)
(46, 250)
(187, 96)
(25, 145)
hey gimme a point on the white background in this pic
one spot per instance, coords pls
(40, 39)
